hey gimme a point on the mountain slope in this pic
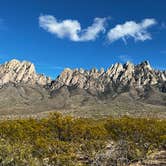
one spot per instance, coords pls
(127, 89)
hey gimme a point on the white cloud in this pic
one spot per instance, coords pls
(138, 31)
(71, 28)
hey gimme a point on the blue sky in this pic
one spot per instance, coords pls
(55, 34)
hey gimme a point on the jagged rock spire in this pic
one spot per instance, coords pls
(118, 75)
(21, 72)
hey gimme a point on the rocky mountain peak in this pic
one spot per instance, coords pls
(15, 65)
(16, 71)
(123, 86)
(118, 76)
(128, 64)
(145, 65)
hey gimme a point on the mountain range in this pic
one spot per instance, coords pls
(122, 89)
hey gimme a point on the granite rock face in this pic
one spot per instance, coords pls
(15, 71)
(121, 89)
(118, 77)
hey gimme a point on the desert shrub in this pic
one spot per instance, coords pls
(142, 135)
(64, 140)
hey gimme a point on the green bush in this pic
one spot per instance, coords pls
(143, 135)
(64, 140)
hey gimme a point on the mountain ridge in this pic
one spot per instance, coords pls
(21, 71)
(119, 90)
(118, 77)
(24, 71)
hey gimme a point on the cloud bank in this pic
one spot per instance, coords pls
(71, 29)
(131, 29)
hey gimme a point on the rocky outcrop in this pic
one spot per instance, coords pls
(15, 71)
(155, 159)
(118, 78)
(120, 90)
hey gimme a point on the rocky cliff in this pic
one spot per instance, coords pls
(116, 78)
(130, 89)
(15, 71)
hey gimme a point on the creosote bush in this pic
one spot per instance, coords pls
(65, 140)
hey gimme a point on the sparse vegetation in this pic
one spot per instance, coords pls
(64, 140)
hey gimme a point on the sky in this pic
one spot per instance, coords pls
(55, 34)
